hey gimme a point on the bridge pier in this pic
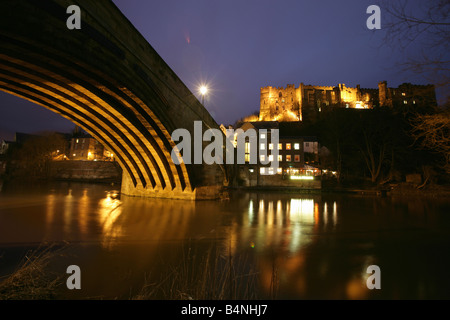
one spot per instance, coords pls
(205, 192)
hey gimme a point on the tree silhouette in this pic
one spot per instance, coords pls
(421, 30)
(432, 132)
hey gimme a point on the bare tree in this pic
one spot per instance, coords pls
(432, 132)
(421, 30)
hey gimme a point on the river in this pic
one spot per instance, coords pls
(257, 245)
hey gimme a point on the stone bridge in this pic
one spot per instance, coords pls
(107, 79)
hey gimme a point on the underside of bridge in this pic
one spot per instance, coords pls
(107, 79)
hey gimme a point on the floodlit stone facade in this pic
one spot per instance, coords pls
(306, 101)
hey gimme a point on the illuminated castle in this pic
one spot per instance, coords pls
(306, 101)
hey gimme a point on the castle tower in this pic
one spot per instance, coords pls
(382, 93)
(265, 106)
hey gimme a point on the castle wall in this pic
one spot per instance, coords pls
(306, 101)
(280, 104)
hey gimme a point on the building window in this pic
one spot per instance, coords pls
(270, 146)
(280, 158)
(271, 171)
(247, 152)
(271, 157)
(297, 146)
(78, 141)
(405, 102)
(297, 158)
(262, 146)
(263, 136)
(279, 170)
(280, 146)
(288, 158)
(262, 157)
(262, 170)
(288, 146)
(403, 94)
(307, 144)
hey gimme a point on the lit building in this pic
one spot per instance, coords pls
(311, 150)
(291, 158)
(4, 145)
(306, 101)
(88, 148)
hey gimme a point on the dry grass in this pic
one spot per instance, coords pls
(199, 275)
(213, 276)
(32, 280)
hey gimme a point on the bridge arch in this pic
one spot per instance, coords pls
(108, 80)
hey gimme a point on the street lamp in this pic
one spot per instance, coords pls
(203, 92)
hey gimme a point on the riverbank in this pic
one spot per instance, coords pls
(399, 189)
(85, 171)
(68, 170)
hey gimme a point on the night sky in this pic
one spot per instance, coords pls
(239, 46)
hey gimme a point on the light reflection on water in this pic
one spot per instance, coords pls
(307, 246)
(290, 222)
(109, 211)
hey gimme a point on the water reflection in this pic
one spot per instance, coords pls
(109, 211)
(76, 215)
(300, 246)
(288, 223)
(68, 208)
(51, 204)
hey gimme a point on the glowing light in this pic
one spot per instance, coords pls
(302, 178)
(203, 90)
